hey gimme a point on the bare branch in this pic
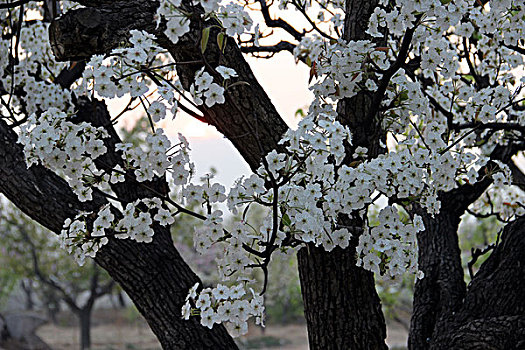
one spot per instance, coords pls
(279, 22)
(281, 46)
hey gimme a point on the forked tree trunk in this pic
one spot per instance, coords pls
(446, 313)
(341, 303)
(492, 314)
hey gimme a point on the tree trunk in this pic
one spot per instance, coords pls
(342, 308)
(492, 314)
(154, 275)
(84, 318)
(120, 299)
(442, 288)
(28, 291)
(440, 295)
(52, 305)
(341, 305)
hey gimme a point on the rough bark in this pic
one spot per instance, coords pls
(249, 120)
(342, 308)
(154, 274)
(98, 27)
(440, 295)
(84, 318)
(492, 315)
(442, 288)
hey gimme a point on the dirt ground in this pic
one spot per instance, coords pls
(117, 330)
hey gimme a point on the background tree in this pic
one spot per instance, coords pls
(33, 254)
(438, 78)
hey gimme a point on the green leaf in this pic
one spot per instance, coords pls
(221, 41)
(469, 77)
(403, 96)
(286, 220)
(204, 39)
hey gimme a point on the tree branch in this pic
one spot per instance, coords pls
(278, 23)
(48, 199)
(281, 46)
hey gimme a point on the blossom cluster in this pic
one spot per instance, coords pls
(84, 238)
(35, 71)
(56, 142)
(157, 157)
(119, 74)
(233, 17)
(224, 304)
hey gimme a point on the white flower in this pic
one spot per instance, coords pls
(164, 217)
(221, 292)
(215, 94)
(418, 223)
(225, 311)
(216, 194)
(203, 302)
(186, 310)
(275, 161)
(254, 184)
(210, 5)
(226, 72)
(177, 27)
(192, 293)
(203, 80)
(237, 328)
(341, 238)
(157, 111)
(209, 317)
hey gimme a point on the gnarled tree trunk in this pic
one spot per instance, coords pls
(486, 314)
(492, 314)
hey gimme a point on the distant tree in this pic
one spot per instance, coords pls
(33, 256)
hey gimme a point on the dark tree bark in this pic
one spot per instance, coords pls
(154, 275)
(441, 294)
(442, 288)
(492, 315)
(341, 304)
(342, 308)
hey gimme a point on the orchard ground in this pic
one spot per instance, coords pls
(126, 330)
